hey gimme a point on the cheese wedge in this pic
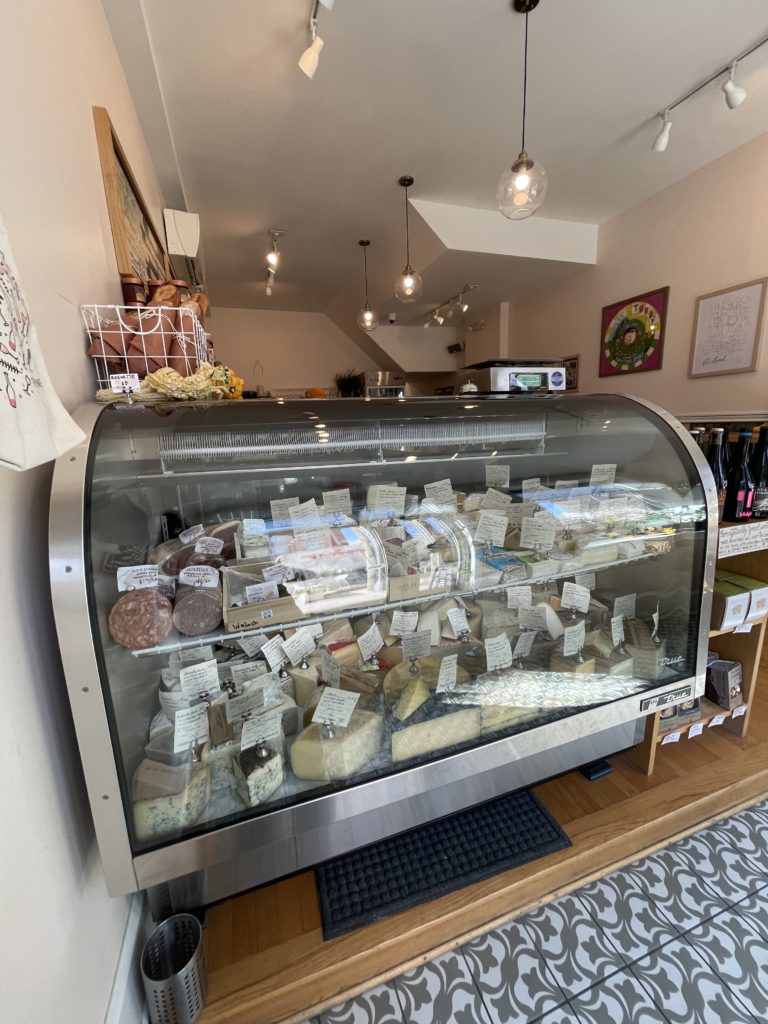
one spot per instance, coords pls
(435, 734)
(412, 697)
(314, 757)
(257, 778)
(163, 814)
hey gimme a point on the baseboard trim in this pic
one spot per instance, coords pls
(126, 1000)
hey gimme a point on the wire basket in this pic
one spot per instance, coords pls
(142, 339)
(173, 971)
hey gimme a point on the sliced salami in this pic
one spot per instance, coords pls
(197, 610)
(141, 618)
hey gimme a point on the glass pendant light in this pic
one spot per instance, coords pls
(409, 285)
(523, 187)
(367, 318)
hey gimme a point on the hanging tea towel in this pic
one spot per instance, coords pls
(34, 425)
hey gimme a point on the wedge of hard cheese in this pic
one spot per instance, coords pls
(347, 753)
(257, 776)
(163, 814)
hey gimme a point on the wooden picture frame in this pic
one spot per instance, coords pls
(632, 334)
(726, 330)
(139, 248)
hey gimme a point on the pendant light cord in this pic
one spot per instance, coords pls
(365, 264)
(407, 232)
(525, 79)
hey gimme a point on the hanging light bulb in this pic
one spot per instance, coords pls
(309, 60)
(273, 256)
(408, 286)
(661, 141)
(522, 187)
(734, 94)
(367, 318)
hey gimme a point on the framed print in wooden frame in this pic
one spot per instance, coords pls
(138, 245)
(632, 334)
(726, 330)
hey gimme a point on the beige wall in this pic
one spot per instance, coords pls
(707, 232)
(60, 933)
(282, 350)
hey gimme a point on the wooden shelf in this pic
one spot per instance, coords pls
(709, 710)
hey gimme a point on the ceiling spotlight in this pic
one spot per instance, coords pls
(661, 141)
(273, 256)
(734, 94)
(522, 187)
(438, 318)
(309, 60)
(409, 285)
(367, 318)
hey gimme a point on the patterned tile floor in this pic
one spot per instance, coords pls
(678, 938)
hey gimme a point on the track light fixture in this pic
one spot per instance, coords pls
(452, 306)
(272, 258)
(310, 59)
(408, 286)
(523, 186)
(367, 318)
(734, 95)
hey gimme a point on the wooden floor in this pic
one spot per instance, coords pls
(268, 963)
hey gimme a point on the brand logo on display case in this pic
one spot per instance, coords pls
(674, 697)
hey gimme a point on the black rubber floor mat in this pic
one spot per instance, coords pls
(413, 867)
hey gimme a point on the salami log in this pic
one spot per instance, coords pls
(141, 618)
(197, 610)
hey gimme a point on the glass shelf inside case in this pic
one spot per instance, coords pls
(290, 598)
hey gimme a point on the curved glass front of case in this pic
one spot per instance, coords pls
(292, 597)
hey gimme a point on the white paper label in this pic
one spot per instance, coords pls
(252, 644)
(247, 670)
(209, 546)
(196, 654)
(695, 730)
(740, 540)
(335, 707)
(531, 487)
(533, 618)
(585, 579)
(388, 498)
(172, 702)
(576, 597)
(338, 501)
(440, 492)
(278, 573)
(745, 627)
(261, 729)
(122, 383)
(717, 720)
(137, 577)
(495, 500)
(537, 533)
(331, 670)
(403, 622)
(299, 646)
(491, 529)
(523, 646)
(199, 679)
(190, 728)
(281, 508)
(566, 485)
(671, 737)
(739, 712)
(370, 642)
(274, 653)
(417, 645)
(305, 514)
(199, 576)
(255, 593)
(625, 606)
(254, 527)
(187, 536)
(457, 619)
(573, 639)
(246, 704)
(166, 585)
(496, 476)
(602, 474)
(498, 653)
(617, 630)
(446, 679)
(520, 597)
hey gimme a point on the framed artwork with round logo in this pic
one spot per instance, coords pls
(632, 338)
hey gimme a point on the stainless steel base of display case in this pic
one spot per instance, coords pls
(324, 839)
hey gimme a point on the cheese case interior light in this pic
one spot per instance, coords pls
(280, 619)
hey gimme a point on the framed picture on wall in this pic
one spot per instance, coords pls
(726, 330)
(138, 245)
(632, 334)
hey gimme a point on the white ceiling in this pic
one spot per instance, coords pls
(426, 87)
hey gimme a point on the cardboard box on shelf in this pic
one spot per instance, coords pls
(757, 589)
(689, 711)
(730, 604)
(668, 718)
(724, 683)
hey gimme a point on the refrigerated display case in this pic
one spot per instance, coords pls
(292, 628)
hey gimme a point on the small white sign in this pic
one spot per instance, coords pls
(575, 597)
(495, 500)
(625, 606)
(491, 529)
(124, 383)
(739, 712)
(278, 573)
(304, 515)
(520, 596)
(281, 508)
(695, 730)
(745, 627)
(299, 646)
(440, 493)
(246, 704)
(252, 644)
(338, 501)
(166, 585)
(199, 679)
(190, 728)
(403, 622)
(199, 576)
(247, 670)
(335, 707)
(261, 729)
(496, 475)
(573, 639)
(254, 527)
(192, 533)
(196, 654)
(274, 653)
(137, 577)
(457, 618)
(172, 702)
(671, 737)
(523, 645)
(417, 645)
(387, 499)
(255, 593)
(370, 642)
(446, 679)
(209, 546)
(566, 485)
(585, 579)
(617, 630)
(531, 487)
(537, 533)
(717, 720)
(330, 670)
(603, 474)
(498, 653)
(533, 618)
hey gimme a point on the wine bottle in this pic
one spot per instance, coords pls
(715, 459)
(758, 467)
(727, 449)
(740, 492)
